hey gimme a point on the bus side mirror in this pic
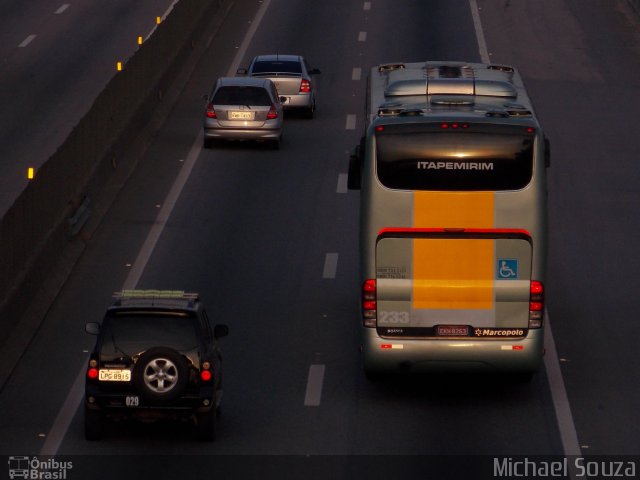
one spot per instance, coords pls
(354, 179)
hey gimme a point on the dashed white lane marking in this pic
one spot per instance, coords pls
(362, 36)
(315, 379)
(330, 265)
(342, 183)
(366, 6)
(351, 122)
(62, 8)
(356, 73)
(27, 41)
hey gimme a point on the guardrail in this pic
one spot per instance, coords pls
(51, 211)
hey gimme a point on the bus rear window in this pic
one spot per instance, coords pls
(476, 157)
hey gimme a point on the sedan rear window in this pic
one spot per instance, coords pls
(276, 67)
(241, 95)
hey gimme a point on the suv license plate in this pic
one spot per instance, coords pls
(241, 115)
(112, 375)
(452, 330)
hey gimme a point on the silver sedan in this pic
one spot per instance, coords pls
(292, 76)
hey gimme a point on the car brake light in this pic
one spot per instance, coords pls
(273, 113)
(369, 303)
(92, 373)
(305, 86)
(211, 113)
(536, 304)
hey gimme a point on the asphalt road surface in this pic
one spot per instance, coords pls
(269, 239)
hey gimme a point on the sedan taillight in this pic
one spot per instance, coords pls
(210, 112)
(305, 86)
(273, 113)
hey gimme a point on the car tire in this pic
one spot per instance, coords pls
(207, 143)
(160, 374)
(93, 424)
(275, 144)
(309, 112)
(206, 426)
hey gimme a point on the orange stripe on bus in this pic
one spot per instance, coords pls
(447, 273)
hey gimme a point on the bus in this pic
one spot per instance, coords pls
(453, 225)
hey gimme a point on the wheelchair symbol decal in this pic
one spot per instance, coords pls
(507, 269)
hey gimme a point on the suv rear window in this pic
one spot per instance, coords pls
(465, 158)
(276, 67)
(136, 332)
(242, 95)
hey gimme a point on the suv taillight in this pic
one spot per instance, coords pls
(210, 112)
(369, 303)
(536, 304)
(273, 113)
(305, 86)
(205, 373)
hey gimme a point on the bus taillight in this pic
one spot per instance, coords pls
(536, 304)
(369, 304)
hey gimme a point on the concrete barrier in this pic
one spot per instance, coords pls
(44, 219)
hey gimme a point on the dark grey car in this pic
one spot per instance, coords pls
(243, 109)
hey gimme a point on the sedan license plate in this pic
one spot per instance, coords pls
(113, 375)
(241, 115)
(452, 330)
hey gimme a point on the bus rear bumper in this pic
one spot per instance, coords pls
(385, 355)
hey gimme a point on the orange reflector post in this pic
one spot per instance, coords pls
(139, 40)
(31, 173)
(158, 20)
(119, 66)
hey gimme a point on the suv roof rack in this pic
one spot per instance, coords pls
(155, 298)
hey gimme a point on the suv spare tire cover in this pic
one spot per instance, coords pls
(161, 374)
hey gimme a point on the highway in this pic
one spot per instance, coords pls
(55, 57)
(269, 240)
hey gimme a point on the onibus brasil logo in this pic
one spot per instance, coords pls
(37, 469)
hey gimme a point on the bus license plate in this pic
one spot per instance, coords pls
(113, 375)
(452, 330)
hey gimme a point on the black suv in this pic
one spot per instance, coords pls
(156, 356)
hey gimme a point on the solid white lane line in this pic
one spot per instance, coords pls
(566, 426)
(163, 215)
(330, 265)
(62, 9)
(27, 41)
(366, 6)
(351, 122)
(342, 183)
(356, 73)
(482, 43)
(362, 36)
(65, 416)
(568, 434)
(247, 39)
(315, 379)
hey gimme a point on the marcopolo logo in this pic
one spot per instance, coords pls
(38, 469)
